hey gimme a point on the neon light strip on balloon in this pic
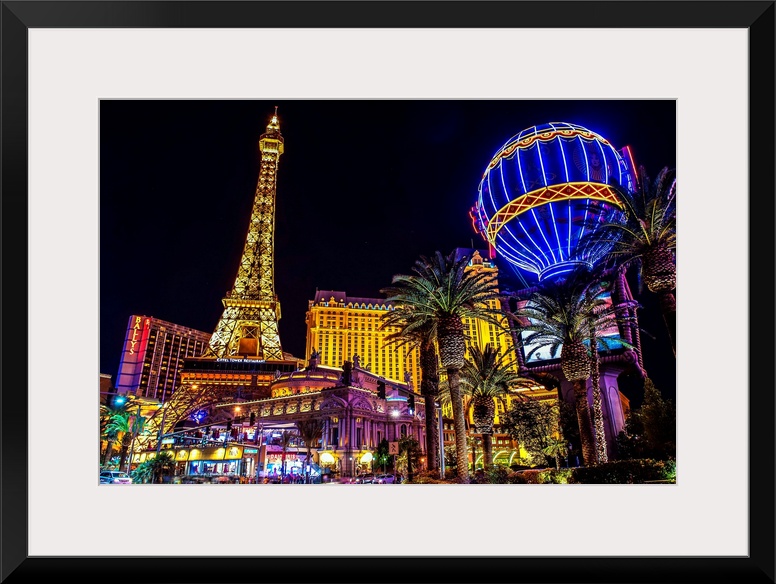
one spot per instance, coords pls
(510, 147)
(562, 192)
(543, 234)
(603, 161)
(527, 255)
(541, 162)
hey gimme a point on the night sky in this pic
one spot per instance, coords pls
(364, 189)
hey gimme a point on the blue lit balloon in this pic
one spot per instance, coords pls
(543, 191)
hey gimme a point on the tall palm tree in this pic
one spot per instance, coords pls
(487, 376)
(444, 292)
(285, 441)
(646, 239)
(560, 314)
(417, 330)
(310, 431)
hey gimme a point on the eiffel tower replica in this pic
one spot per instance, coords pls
(244, 354)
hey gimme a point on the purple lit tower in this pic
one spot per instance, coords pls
(542, 191)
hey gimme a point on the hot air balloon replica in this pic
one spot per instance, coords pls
(541, 193)
(544, 189)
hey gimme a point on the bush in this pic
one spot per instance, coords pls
(625, 472)
(531, 476)
(496, 475)
(516, 478)
(553, 476)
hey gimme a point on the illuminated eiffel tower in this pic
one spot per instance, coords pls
(249, 324)
(244, 354)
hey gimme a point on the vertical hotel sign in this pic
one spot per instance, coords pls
(133, 354)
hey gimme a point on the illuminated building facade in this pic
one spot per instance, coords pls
(152, 356)
(341, 326)
(349, 403)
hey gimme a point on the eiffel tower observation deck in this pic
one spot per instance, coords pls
(244, 354)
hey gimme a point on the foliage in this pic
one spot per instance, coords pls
(625, 472)
(555, 476)
(556, 448)
(532, 423)
(409, 449)
(381, 457)
(649, 225)
(155, 469)
(650, 431)
(560, 313)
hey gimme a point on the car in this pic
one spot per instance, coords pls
(364, 479)
(384, 479)
(114, 477)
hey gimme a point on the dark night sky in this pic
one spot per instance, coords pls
(364, 189)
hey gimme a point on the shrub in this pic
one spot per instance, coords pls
(531, 476)
(553, 476)
(623, 472)
(516, 478)
(496, 475)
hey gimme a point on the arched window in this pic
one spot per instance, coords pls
(403, 430)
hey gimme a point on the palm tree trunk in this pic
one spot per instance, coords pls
(668, 308)
(459, 424)
(583, 419)
(432, 434)
(598, 413)
(598, 416)
(429, 388)
(487, 450)
(108, 452)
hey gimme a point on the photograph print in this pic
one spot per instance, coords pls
(473, 292)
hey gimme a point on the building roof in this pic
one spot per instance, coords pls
(342, 297)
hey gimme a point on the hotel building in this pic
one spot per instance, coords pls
(153, 354)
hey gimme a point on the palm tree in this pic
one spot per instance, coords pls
(108, 431)
(310, 431)
(555, 448)
(285, 441)
(418, 331)
(161, 465)
(443, 292)
(487, 376)
(120, 427)
(646, 239)
(560, 314)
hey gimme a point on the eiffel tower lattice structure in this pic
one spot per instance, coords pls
(244, 353)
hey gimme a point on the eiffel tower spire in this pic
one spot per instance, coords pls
(249, 324)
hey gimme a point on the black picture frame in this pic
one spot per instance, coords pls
(19, 16)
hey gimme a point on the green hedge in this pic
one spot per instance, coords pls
(638, 471)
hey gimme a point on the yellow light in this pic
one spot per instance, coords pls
(327, 458)
(367, 457)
